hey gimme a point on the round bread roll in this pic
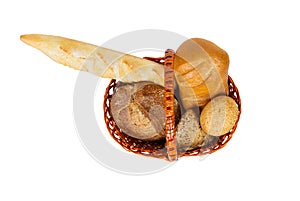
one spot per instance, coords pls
(138, 110)
(219, 116)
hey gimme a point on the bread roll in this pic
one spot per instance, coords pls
(201, 70)
(138, 110)
(219, 116)
(189, 134)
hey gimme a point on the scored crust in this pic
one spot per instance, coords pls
(201, 69)
(138, 110)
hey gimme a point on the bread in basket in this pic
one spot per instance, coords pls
(198, 71)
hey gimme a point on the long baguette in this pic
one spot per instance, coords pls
(97, 60)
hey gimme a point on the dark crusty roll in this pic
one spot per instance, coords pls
(138, 110)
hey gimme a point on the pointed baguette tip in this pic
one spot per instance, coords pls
(35, 40)
(23, 38)
(29, 38)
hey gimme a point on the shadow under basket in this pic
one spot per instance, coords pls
(161, 149)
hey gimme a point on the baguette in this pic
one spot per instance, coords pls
(97, 60)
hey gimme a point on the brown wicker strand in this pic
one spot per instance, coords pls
(169, 105)
(159, 60)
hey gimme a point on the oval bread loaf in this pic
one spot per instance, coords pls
(201, 69)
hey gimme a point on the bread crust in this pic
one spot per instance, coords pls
(219, 116)
(97, 60)
(138, 110)
(201, 70)
(189, 135)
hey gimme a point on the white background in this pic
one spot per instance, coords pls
(41, 155)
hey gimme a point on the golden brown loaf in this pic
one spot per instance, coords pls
(219, 116)
(201, 70)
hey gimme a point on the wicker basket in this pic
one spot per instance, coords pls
(165, 149)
